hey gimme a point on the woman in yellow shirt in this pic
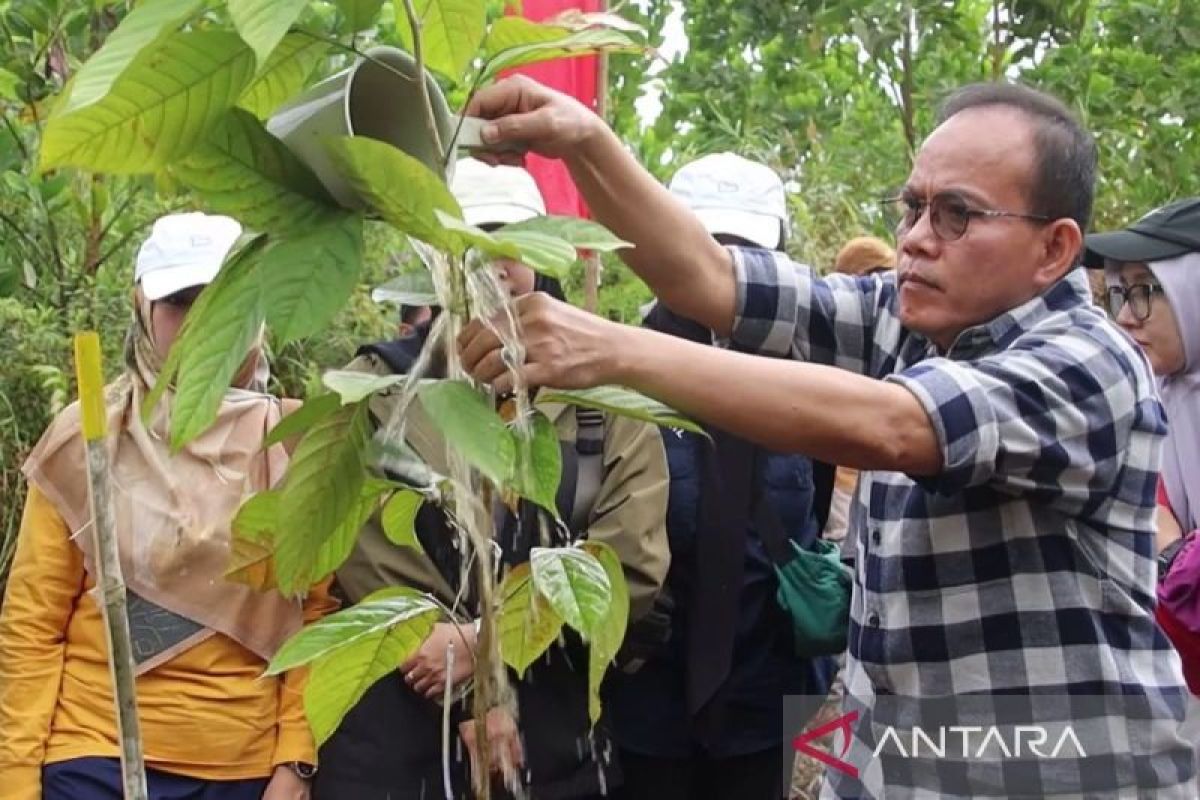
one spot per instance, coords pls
(212, 727)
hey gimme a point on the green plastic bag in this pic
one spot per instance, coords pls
(814, 588)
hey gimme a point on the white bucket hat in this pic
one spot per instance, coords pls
(495, 195)
(184, 250)
(734, 196)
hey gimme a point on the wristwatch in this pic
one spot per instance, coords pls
(1167, 556)
(304, 771)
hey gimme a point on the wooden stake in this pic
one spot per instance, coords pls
(110, 586)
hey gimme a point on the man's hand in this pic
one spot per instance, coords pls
(504, 744)
(565, 347)
(532, 117)
(285, 784)
(425, 672)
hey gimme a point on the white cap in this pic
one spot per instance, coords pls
(734, 196)
(184, 250)
(495, 195)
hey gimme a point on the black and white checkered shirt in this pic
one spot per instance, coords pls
(1026, 565)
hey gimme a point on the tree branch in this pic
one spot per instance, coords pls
(422, 85)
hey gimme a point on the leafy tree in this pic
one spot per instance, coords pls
(837, 95)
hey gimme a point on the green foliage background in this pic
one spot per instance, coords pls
(834, 95)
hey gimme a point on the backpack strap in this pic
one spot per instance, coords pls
(589, 465)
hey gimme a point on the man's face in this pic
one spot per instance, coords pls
(985, 156)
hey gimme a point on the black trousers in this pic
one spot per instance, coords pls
(757, 776)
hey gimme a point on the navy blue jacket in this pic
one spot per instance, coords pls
(648, 708)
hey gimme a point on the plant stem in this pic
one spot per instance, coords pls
(16, 138)
(422, 82)
(478, 79)
(7, 220)
(447, 696)
(350, 48)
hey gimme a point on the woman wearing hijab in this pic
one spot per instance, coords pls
(1152, 273)
(212, 727)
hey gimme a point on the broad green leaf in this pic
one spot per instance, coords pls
(451, 31)
(376, 170)
(240, 266)
(354, 386)
(263, 23)
(399, 518)
(410, 289)
(308, 278)
(217, 335)
(358, 14)
(313, 411)
(471, 427)
(575, 585)
(626, 403)
(337, 548)
(243, 171)
(323, 485)
(607, 639)
(511, 31)
(577, 43)
(252, 547)
(374, 616)
(338, 682)
(577, 20)
(528, 624)
(158, 110)
(539, 464)
(284, 74)
(540, 252)
(579, 233)
(141, 28)
(472, 236)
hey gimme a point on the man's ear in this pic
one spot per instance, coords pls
(1062, 241)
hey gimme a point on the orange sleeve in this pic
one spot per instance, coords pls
(294, 741)
(46, 579)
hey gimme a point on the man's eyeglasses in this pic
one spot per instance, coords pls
(1138, 297)
(949, 214)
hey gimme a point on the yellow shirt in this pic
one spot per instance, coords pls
(207, 713)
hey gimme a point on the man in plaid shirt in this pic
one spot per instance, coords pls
(1009, 436)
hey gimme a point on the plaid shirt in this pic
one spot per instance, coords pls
(1026, 565)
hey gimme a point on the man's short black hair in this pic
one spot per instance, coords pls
(1064, 177)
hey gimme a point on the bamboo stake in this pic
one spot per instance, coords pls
(110, 586)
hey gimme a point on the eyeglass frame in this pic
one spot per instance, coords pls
(905, 202)
(1151, 290)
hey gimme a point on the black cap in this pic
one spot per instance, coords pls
(1165, 232)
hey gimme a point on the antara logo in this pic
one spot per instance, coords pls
(844, 723)
(956, 740)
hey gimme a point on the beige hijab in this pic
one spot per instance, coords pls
(173, 512)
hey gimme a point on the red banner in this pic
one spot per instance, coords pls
(577, 77)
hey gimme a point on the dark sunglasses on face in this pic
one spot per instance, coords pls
(1137, 295)
(949, 214)
(182, 299)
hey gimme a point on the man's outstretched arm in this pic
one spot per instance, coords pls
(824, 412)
(672, 253)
